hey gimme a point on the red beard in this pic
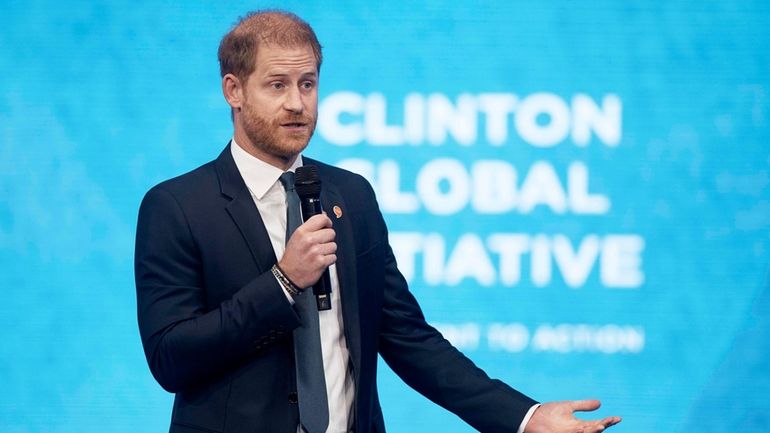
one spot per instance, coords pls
(273, 138)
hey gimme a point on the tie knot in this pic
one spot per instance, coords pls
(287, 180)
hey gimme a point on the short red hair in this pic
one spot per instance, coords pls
(238, 49)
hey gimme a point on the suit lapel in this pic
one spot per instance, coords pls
(245, 215)
(331, 199)
(243, 211)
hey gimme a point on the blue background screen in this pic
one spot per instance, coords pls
(578, 193)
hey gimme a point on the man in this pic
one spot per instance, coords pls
(221, 293)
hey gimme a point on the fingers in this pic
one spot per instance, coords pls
(316, 230)
(309, 251)
(600, 426)
(593, 426)
(317, 237)
(559, 416)
(317, 222)
(324, 249)
(611, 421)
(590, 405)
(584, 405)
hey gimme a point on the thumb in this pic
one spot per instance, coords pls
(585, 405)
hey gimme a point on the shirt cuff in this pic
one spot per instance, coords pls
(529, 414)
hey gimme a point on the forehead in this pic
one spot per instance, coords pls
(284, 60)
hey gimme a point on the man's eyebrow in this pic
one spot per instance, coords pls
(309, 74)
(276, 75)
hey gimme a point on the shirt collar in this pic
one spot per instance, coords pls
(258, 175)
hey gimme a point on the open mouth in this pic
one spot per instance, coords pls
(294, 125)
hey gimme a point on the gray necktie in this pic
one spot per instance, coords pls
(311, 384)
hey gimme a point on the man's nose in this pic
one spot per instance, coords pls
(293, 101)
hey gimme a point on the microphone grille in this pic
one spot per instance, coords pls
(307, 183)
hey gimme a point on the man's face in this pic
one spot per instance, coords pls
(280, 101)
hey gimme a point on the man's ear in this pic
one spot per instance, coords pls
(232, 89)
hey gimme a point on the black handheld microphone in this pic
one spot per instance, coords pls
(308, 187)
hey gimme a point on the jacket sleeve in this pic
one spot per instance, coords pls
(186, 341)
(427, 362)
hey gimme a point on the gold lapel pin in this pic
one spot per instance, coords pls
(337, 211)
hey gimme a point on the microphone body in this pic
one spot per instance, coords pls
(308, 186)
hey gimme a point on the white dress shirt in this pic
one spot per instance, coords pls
(267, 191)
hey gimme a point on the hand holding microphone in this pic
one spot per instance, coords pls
(311, 249)
(309, 252)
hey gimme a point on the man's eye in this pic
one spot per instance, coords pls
(277, 86)
(307, 85)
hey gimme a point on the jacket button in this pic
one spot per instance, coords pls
(293, 397)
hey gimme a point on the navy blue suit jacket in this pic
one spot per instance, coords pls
(217, 328)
